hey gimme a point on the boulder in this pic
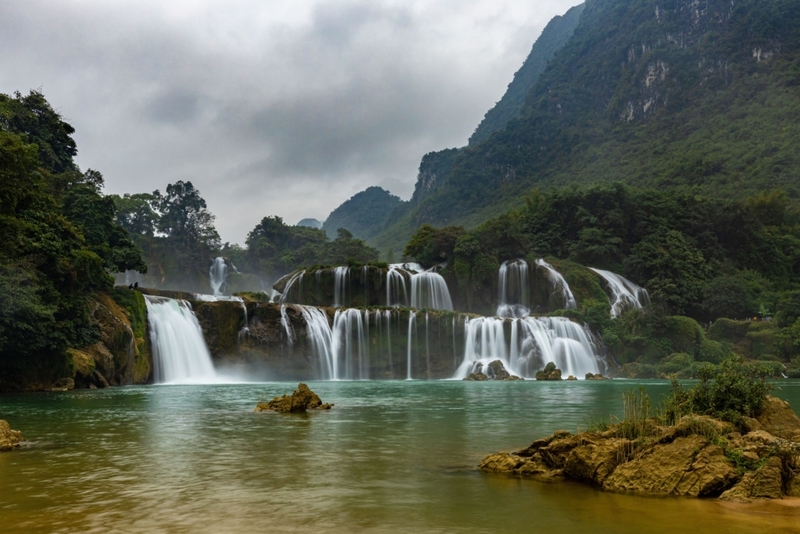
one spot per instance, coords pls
(571, 377)
(550, 372)
(687, 466)
(766, 482)
(9, 439)
(63, 384)
(301, 399)
(778, 418)
(511, 464)
(496, 371)
(598, 376)
(477, 377)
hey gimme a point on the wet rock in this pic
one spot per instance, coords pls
(778, 418)
(9, 439)
(598, 376)
(496, 371)
(477, 377)
(571, 377)
(301, 400)
(687, 466)
(63, 384)
(766, 482)
(549, 373)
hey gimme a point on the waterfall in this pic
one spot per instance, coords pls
(429, 291)
(411, 267)
(396, 292)
(559, 284)
(526, 345)
(350, 341)
(321, 336)
(180, 354)
(341, 277)
(287, 325)
(296, 278)
(411, 323)
(513, 289)
(217, 275)
(388, 316)
(623, 294)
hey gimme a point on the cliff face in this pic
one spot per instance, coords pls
(651, 93)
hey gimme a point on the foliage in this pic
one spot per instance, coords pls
(731, 391)
(58, 241)
(364, 214)
(431, 246)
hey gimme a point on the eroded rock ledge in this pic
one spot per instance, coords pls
(699, 457)
(9, 439)
(301, 400)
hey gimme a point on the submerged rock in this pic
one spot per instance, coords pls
(9, 439)
(699, 456)
(494, 371)
(598, 376)
(301, 399)
(550, 372)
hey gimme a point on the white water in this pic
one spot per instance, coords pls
(341, 279)
(623, 294)
(429, 291)
(350, 335)
(396, 292)
(526, 345)
(296, 278)
(513, 289)
(559, 284)
(411, 327)
(180, 354)
(217, 275)
(411, 267)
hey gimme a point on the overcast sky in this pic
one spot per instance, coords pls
(269, 107)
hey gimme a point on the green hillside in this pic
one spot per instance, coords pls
(364, 214)
(652, 94)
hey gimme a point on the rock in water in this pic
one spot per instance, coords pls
(550, 372)
(301, 399)
(9, 439)
(496, 371)
(598, 376)
(477, 377)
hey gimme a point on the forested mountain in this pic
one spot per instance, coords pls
(553, 38)
(651, 93)
(364, 214)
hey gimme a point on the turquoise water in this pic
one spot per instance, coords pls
(390, 457)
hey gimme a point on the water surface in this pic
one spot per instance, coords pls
(396, 456)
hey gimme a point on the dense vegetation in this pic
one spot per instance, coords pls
(652, 94)
(58, 242)
(701, 259)
(364, 214)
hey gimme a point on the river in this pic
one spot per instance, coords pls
(391, 456)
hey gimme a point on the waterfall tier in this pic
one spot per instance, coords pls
(622, 293)
(526, 345)
(180, 354)
(559, 285)
(513, 289)
(217, 275)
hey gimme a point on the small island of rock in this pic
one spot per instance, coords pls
(9, 439)
(301, 399)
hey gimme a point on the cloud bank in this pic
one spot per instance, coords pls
(270, 108)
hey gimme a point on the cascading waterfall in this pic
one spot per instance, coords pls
(410, 267)
(217, 275)
(350, 335)
(623, 294)
(287, 325)
(396, 292)
(411, 327)
(341, 277)
(180, 354)
(429, 291)
(513, 289)
(388, 316)
(296, 279)
(559, 284)
(321, 336)
(526, 345)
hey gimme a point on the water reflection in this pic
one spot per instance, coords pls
(390, 457)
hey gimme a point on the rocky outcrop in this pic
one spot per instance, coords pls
(549, 373)
(598, 376)
(778, 418)
(698, 457)
(301, 400)
(494, 371)
(9, 439)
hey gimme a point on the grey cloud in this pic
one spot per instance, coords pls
(285, 108)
